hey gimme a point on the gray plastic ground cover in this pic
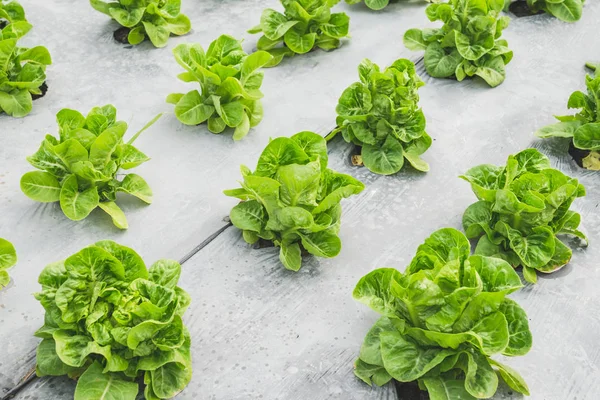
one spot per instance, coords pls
(260, 331)
(190, 167)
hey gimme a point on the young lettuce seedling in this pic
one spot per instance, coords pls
(304, 26)
(22, 70)
(8, 258)
(382, 115)
(229, 82)
(442, 320)
(154, 19)
(293, 199)
(522, 208)
(111, 323)
(468, 43)
(79, 169)
(583, 127)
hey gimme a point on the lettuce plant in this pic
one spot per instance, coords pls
(380, 4)
(522, 208)
(442, 320)
(372, 4)
(8, 258)
(565, 10)
(468, 43)
(112, 323)
(304, 26)
(583, 127)
(382, 115)
(22, 70)
(79, 168)
(229, 82)
(11, 12)
(293, 199)
(156, 19)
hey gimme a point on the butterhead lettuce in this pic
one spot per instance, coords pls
(293, 199)
(112, 323)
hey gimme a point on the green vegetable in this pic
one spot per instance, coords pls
(372, 4)
(22, 70)
(8, 258)
(379, 4)
(293, 199)
(12, 12)
(156, 19)
(229, 82)
(112, 322)
(79, 169)
(583, 127)
(304, 26)
(381, 114)
(522, 208)
(442, 320)
(565, 10)
(468, 43)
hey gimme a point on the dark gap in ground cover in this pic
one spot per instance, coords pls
(409, 391)
(578, 154)
(520, 9)
(44, 89)
(121, 35)
(356, 156)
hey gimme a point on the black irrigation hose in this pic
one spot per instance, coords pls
(205, 242)
(31, 376)
(419, 60)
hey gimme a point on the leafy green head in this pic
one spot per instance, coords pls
(468, 44)
(372, 4)
(155, 19)
(565, 10)
(442, 320)
(293, 199)
(22, 70)
(522, 208)
(110, 322)
(304, 26)
(8, 258)
(583, 127)
(11, 12)
(79, 168)
(229, 80)
(382, 115)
